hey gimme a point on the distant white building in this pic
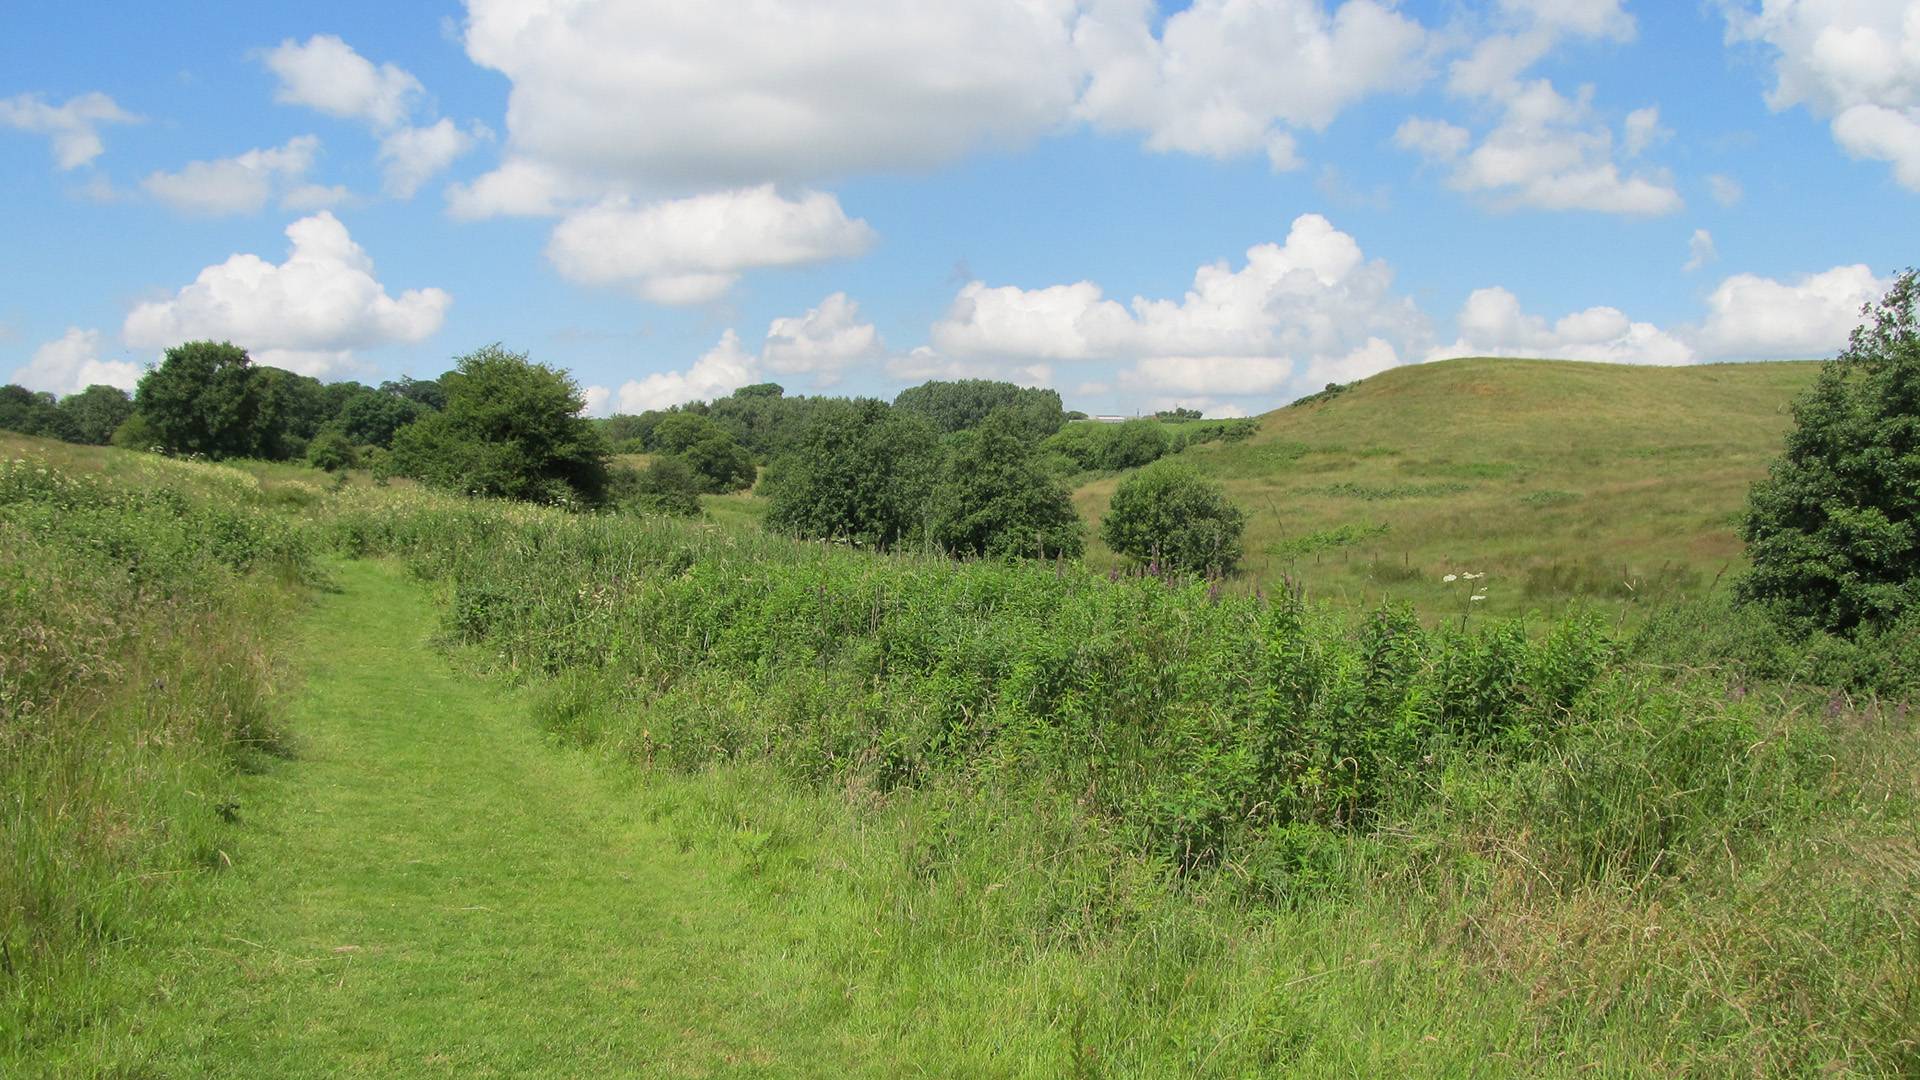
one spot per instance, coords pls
(1111, 419)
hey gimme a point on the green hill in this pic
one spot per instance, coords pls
(1558, 480)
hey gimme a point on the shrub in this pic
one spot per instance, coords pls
(1168, 514)
(511, 428)
(332, 451)
(668, 486)
(1834, 529)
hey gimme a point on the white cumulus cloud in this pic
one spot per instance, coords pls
(648, 100)
(309, 313)
(1548, 151)
(690, 251)
(71, 363)
(823, 343)
(410, 156)
(1854, 62)
(1750, 317)
(1224, 78)
(1700, 250)
(1311, 308)
(74, 126)
(325, 73)
(239, 185)
(1492, 323)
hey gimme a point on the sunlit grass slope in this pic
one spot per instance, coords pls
(1558, 480)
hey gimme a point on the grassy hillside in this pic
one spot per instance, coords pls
(1558, 480)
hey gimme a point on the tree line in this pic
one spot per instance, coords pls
(974, 468)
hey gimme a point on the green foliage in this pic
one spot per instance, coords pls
(995, 499)
(286, 411)
(704, 444)
(861, 472)
(1177, 415)
(667, 486)
(965, 404)
(1833, 532)
(1327, 539)
(197, 402)
(1174, 520)
(426, 393)
(94, 414)
(369, 417)
(332, 451)
(512, 429)
(33, 413)
(136, 434)
(1092, 447)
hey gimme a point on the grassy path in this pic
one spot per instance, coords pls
(431, 889)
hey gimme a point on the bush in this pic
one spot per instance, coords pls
(332, 451)
(512, 429)
(668, 486)
(1173, 519)
(1834, 529)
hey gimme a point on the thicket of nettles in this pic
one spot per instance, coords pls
(1834, 530)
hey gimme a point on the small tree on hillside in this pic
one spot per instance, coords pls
(1834, 529)
(996, 499)
(1170, 514)
(860, 471)
(511, 428)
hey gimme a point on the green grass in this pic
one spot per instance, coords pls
(1563, 482)
(624, 796)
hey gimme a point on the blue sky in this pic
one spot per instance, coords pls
(1224, 204)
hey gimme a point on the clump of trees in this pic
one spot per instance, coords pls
(1171, 519)
(1834, 530)
(90, 416)
(511, 428)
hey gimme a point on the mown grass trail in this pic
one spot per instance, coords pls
(428, 888)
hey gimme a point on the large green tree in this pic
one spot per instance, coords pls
(1834, 529)
(196, 401)
(860, 471)
(1170, 518)
(996, 499)
(511, 428)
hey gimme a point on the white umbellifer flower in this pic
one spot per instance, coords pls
(1474, 577)
(1451, 577)
(1482, 596)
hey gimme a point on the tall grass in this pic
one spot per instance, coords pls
(1624, 865)
(136, 670)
